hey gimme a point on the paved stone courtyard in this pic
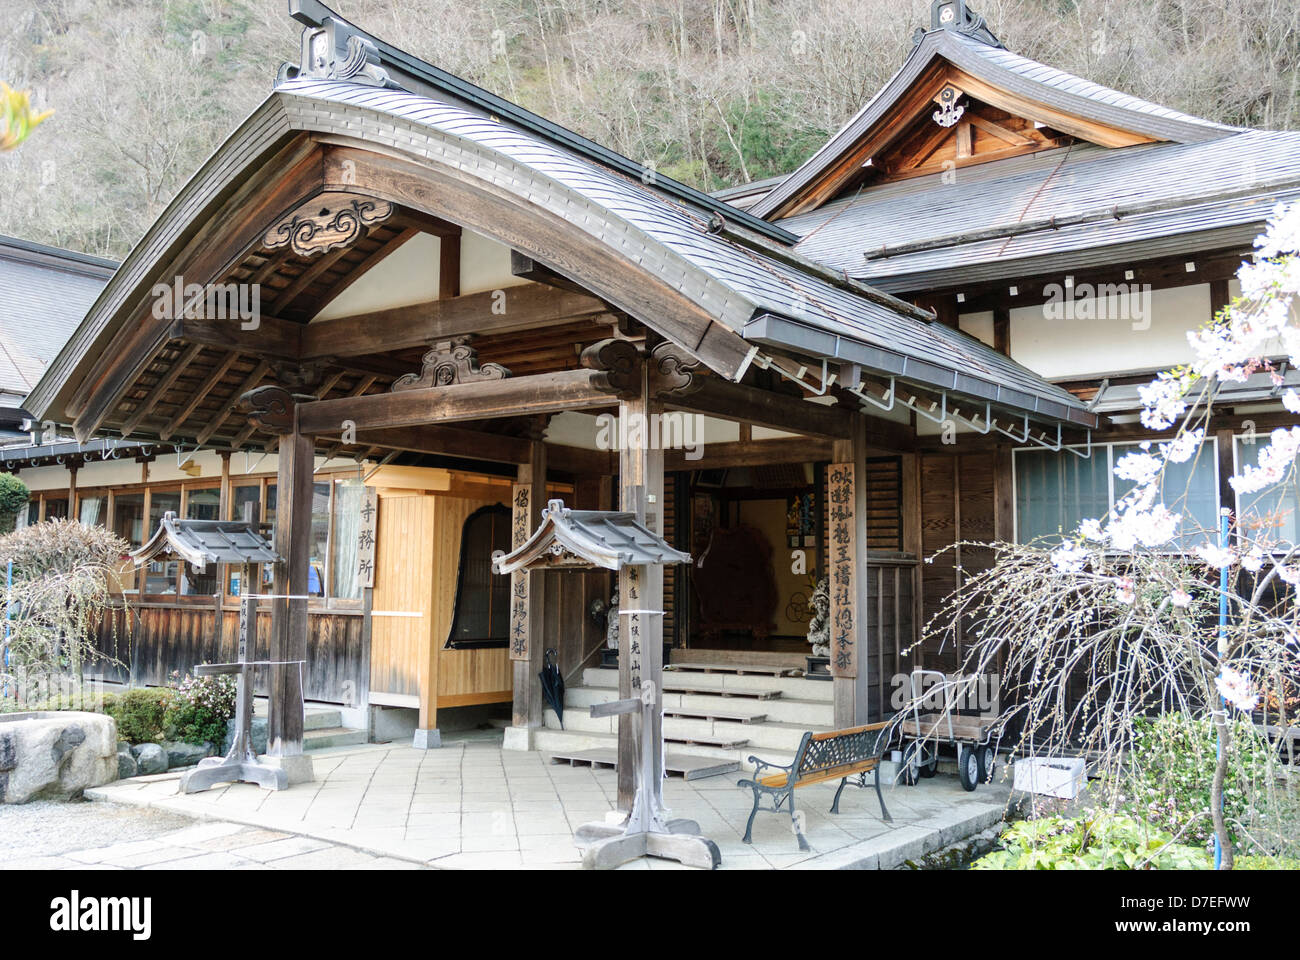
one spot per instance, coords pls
(472, 805)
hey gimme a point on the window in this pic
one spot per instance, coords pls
(92, 509)
(56, 508)
(245, 503)
(1274, 512)
(1055, 491)
(128, 523)
(346, 524)
(482, 617)
(201, 503)
(161, 575)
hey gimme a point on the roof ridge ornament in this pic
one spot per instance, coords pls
(954, 15)
(333, 51)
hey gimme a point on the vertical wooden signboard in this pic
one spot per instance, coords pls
(519, 580)
(842, 552)
(366, 538)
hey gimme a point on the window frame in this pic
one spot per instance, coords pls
(1209, 445)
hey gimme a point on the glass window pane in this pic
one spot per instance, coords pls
(482, 597)
(128, 523)
(1274, 512)
(344, 583)
(29, 514)
(244, 500)
(161, 575)
(320, 538)
(1055, 491)
(1188, 488)
(92, 509)
(203, 504)
(56, 509)
(268, 574)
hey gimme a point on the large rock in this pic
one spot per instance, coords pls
(55, 755)
(258, 729)
(150, 758)
(180, 754)
(126, 766)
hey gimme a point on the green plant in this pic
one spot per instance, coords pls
(200, 709)
(1171, 770)
(1106, 842)
(13, 497)
(141, 714)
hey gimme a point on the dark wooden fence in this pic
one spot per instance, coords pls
(147, 644)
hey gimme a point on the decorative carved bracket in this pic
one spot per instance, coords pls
(450, 361)
(950, 110)
(619, 362)
(672, 369)
(333, 51)
(303, 376)
(271, 407)
(327, 222)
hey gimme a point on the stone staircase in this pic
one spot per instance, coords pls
(322, 726)
(717, 715)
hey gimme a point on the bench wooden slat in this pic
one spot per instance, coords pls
(819, 776)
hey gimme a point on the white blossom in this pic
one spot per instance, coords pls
(1068, 558)
(1236, 689)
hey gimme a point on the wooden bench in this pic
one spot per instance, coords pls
(835, 755)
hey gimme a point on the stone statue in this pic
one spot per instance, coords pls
(819, 627)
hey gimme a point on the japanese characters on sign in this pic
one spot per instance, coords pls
(366, 538)
(630, 600)
(841, 558)
(519, 532)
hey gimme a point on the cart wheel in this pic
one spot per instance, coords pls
(912, 767)
(968, 768)
(930, 765)
(988, 759)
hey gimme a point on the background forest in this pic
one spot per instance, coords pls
(712, 92)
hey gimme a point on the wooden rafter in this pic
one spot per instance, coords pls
(249, 382)
(215, 377)
(164, 384)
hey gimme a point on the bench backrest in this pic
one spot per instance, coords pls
(836, 748)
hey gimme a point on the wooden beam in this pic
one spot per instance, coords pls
(482, 400)
(748, 453)
(746, 404)
(481, 314)
(449, 266)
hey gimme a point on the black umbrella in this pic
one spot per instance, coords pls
(553, 685)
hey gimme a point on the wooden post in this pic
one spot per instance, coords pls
(640, 635)
(527, 640)
(289, 617)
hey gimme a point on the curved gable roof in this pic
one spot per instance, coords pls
(1018, 76)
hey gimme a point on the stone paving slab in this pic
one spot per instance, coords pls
(472, 805)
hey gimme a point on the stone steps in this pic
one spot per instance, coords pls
(554, 742)
(724, 684)
(321, 738)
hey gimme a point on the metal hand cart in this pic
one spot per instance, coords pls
(972, 737)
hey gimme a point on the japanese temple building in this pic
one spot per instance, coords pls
(930, 332)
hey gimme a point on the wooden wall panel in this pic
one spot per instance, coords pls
(162, 640)
(404, 583)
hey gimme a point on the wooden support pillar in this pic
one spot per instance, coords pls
(289, 617)
(850, 641)
(527, 600)
(640, 588)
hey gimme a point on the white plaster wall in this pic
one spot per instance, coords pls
(407, 275)
(1097, 338)
(485, 265)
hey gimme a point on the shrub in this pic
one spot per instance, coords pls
(1106, 842)
(1172, 769)
(141, 714)
(13, 497)
(200, 709)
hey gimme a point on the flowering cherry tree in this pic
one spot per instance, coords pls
(1142, 610)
